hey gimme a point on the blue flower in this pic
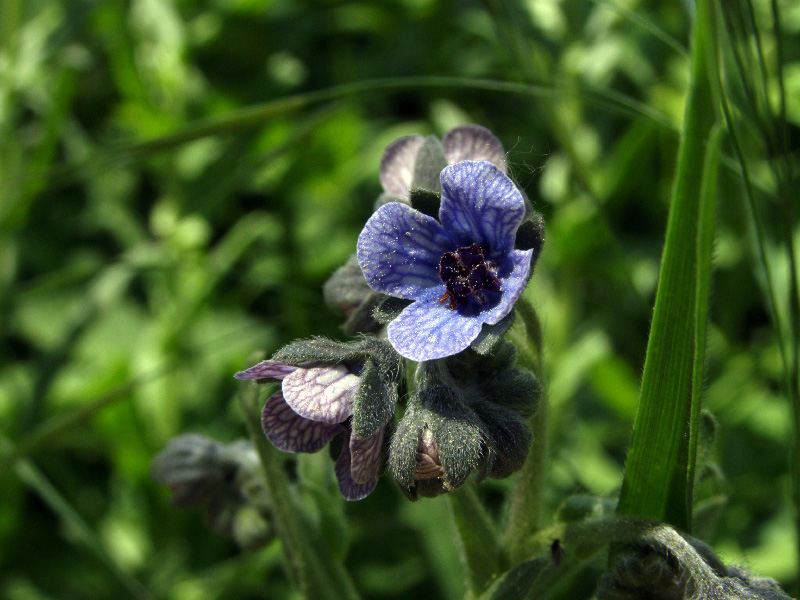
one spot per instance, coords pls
(462, 272)
(314, 405)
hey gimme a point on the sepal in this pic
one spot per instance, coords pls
(490, 335)
(515, 388)
(388, 308)
(376, 399)
(347, 288)
(428, 165)
(530, 236)
(317, 351)
(508, 439)
(455, 439)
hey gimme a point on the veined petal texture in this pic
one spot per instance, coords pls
(480, 204)
(290, 432)
(266, 369)
(399, 250)
(473, 142)
(397, 165)
(348, 487)
(323, 394)
(365, 454)
(428, 329)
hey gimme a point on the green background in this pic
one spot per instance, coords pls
(137, 277)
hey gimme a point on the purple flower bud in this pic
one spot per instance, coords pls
(223, 478)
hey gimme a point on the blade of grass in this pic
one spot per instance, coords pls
(648, 25)
(36, 481)
(44, 435)
(705, 244)
(124, 152)
(656, 482)
(743, 33)
(255, 115)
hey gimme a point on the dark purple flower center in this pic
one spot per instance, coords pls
(466, 274)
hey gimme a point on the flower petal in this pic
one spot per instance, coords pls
(473, 142)
(513, 280)
(323, 394)
(267, 369)
(480, 204)
(397, 165)
(365, 455)
(399, 250)
(428, 329)
(350, 489)
(290, 432)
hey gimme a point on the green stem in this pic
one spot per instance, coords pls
(479, 546)
(314, 572)
(525, 504)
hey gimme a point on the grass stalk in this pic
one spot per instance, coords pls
(478, 543)
(658, 475)
(74, 523)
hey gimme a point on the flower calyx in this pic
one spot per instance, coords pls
(464, 419)
(224, 479)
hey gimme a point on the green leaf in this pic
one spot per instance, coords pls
(659, 473)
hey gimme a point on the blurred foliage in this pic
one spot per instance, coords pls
(135, 280)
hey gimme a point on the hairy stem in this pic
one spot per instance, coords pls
(525, 505)
(478, 543)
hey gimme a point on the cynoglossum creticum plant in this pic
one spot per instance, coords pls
(439, 267)
(428, 296)
(449, 250)
(430, 293)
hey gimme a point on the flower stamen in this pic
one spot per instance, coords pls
(444, 298)
(466, 274)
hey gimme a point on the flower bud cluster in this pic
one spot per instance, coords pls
(224, 479)
(468, 415)
(679, 568)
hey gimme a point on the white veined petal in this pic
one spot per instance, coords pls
(290, 432)
(324, 394)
